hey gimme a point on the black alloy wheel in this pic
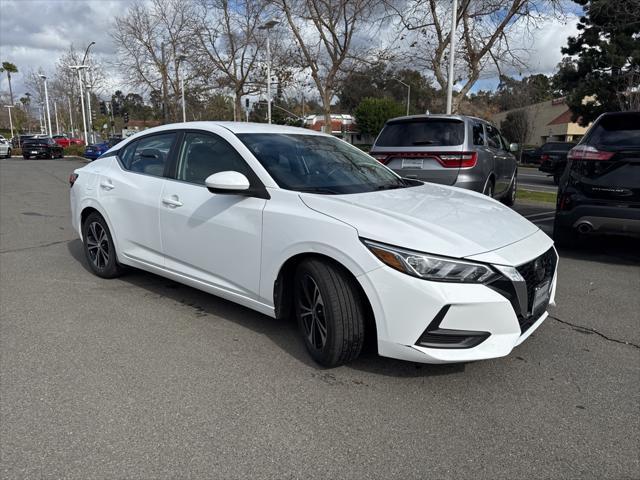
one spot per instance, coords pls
(99, 248)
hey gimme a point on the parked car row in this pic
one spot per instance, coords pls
(62, 140)
(94, 150)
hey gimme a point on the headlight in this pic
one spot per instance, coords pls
(431, 267)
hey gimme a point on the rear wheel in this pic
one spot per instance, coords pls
(329, 311)
(489, 188)
(99, 248)
(510, 197)
(9, 153)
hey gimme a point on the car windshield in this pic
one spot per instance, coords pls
(319, 164)
(422, 132)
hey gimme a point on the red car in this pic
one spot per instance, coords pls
(65, 141)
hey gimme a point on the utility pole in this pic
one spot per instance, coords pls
(88, 84)
(452, 54)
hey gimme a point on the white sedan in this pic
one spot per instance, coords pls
(5, 147)
(288, 221)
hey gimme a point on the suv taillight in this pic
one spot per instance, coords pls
(544, 157)
(381, 157)
(586, 152)
(457, 160)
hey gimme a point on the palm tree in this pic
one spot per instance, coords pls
(9, 68)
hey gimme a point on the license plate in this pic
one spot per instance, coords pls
(34, 152)
(541, 297)
(411, 163)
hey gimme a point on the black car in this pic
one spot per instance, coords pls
(41, 147)
(600, 191)
(553, 158)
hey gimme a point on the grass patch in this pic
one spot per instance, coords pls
(544, 197)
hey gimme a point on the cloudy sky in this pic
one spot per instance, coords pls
(34, 33)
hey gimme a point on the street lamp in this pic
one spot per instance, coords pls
(9, 107)
(84, 118)
(268, 26)
(90, 122)
(28, 104)
(452, 54)
(408, 92)
(46, 99)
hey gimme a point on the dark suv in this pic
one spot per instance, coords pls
(553, 158)
(457, 150)
(600, 191)
(41, 147)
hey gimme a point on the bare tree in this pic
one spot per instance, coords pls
(326, 40)
(490, 33)
(228, 45)
(153, 40)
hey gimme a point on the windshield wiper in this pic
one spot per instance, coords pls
(390, 186)
(324, 190)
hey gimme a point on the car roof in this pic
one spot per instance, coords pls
(234, 127)
(437, 115)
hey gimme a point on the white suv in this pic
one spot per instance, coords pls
(5, 147)
(288, 221)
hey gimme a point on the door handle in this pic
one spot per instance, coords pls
(106, 185)
(172, 201)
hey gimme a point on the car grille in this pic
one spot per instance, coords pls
(536, 273)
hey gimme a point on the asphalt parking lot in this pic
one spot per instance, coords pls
(142, 378)
(530, 178)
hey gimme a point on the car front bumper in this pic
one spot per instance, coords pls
(405, 308)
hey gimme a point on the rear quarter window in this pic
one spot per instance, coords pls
(422, 132)
(616, 131)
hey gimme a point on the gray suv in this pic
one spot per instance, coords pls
(457, 150)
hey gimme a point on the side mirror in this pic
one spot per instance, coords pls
(513, 148)
(229, 183)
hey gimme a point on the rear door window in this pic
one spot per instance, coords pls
(493, 137)
(148, 155)
(423, 132)
(478, 134)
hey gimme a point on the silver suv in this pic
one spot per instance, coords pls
(465, 152)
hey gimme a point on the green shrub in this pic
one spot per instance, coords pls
(74, 150)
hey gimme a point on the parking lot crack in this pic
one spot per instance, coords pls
(11, 250)
(593, 330)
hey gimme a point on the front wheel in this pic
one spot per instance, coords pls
(329, 311)
(9, 153)
(99, 248)
(489, 188)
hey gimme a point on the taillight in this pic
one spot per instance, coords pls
(457, 160)
(586, 152)
(381, 157)
(544, 157)
(72, 179)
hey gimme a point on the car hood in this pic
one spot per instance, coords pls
(429, 218)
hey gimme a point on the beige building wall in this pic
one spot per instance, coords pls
(550, 120)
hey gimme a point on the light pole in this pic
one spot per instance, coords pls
(87, 83)
(46, 99)
(181, 58)
(9, 107)
(408, 92)
(71, 117)
(86, 53)
(84, 118)
(28, 95)
(268, 26)
(55, 110)
(452, 54)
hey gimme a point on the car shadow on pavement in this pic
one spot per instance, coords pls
(283, 333)
(615, 250)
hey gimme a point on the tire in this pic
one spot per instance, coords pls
(25, 157)
(564, 236)
(99, 249)
(510, 197)
(9, 153)
(489, 188)
(325, 296)
(556, 178)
